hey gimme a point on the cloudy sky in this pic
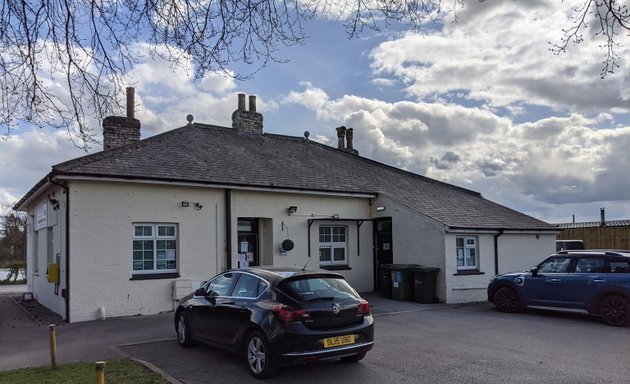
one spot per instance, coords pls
(481, 103)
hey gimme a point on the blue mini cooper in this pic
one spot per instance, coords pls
(597, 281)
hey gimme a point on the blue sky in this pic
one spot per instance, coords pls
(481, 103)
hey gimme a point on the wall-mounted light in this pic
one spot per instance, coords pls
(380, 209)
(335, 216)
(185, 204)
(197, 206)
(291, 210)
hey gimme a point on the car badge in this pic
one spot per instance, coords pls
(336, 307)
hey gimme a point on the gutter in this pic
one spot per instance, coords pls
(66, 296)
(496, 251)
(228, 229)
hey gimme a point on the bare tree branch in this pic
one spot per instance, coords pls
(62, 61)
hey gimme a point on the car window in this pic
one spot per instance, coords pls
(589, 265)
(247, 286)
(619, 267)
(220, 285)
(555, 265)
(319, 288)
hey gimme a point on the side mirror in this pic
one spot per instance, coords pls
(200, 292)
(534, 271)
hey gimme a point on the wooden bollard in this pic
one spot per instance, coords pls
(100, 372)
(53, 346)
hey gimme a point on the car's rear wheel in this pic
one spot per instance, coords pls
(506, 300)
(353, 359)
(184, 336)
(615, 310)
(259, 360)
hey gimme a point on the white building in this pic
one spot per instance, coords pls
(136, 226)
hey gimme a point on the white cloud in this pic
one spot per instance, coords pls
(551, 162)
(27, 157)
(498, 53)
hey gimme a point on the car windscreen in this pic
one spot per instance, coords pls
(318, 288)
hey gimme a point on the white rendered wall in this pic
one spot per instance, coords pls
(295, 227)
(521, 252)
(36, 277)
(416, 239)
(102, 215)
(517, 252)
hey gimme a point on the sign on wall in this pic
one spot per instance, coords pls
(40, 216)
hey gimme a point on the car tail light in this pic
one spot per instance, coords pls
(288, 314)
(364, 308)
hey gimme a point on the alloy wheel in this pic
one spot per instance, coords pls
(614, 310)
(256, 356)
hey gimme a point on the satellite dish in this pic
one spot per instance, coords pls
(287, 245)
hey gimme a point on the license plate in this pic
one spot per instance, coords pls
(338, 341)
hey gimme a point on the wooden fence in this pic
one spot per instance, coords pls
(599, 238)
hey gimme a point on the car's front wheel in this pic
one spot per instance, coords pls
(184, 336)
(615, 310)
(259, 360)
(506, 300)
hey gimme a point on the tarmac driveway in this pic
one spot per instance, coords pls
(415, 343)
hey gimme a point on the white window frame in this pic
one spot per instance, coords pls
(335, 243)
(155, 237)
(464, 251)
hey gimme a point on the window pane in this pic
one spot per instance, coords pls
(246, 286)
(143, 230)
(220, 286)
(324, 254)
(460, 242)
(340, 254)
(339, 234)
(555, 265)
(325, 234)
(166, 230)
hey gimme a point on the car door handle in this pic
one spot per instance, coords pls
(599, 281)
(555, 280)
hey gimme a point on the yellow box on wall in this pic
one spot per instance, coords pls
(53, 273)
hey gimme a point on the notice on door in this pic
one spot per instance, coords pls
(243, 247)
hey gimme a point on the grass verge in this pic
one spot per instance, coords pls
(125, 371)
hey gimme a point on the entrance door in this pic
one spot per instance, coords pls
(383, 251)
(248, 241)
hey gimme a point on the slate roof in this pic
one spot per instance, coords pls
(595, 224)
(210, 155)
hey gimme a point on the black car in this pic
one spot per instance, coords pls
(277, 317)
(596, 281)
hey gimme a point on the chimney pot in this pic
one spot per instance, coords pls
(602, 214)
(241, 102)
(341, 133)
(252, 103)
(131, 105)
(349, 137)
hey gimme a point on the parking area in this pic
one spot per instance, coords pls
(414, 343)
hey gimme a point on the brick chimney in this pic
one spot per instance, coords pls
(121, 130)
(251, 120)
(346, 136)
